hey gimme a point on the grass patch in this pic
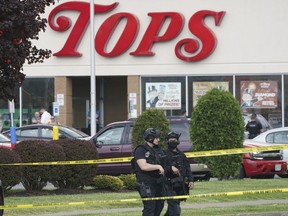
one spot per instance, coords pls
(200, 188)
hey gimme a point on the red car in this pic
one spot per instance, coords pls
(4, 141)
(262, 164)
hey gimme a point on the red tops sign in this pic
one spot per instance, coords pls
(184, 48)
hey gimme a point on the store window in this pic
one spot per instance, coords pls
(286, 100)
(167, 93)
(262, 95)
(36, 92)
(200, 85)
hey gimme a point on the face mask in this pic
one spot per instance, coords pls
(172, 144)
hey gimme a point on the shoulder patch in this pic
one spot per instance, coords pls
(147, 154)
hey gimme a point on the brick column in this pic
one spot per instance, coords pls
(133, 86)
(63, 85)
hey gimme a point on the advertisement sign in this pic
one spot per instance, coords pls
(201, 88)
(163, 95)
(259, 94)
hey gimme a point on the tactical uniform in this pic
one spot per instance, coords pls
(254, 127)
(149, 183)
(176, 184)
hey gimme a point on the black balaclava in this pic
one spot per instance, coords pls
(172, 144)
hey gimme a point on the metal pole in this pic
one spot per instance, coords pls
(283, 100)
(92, 74)
(20, 107)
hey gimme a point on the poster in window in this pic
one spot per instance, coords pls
(259, 94)
(201, 88)
(163, 95)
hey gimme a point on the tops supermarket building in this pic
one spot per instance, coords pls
(172, 50)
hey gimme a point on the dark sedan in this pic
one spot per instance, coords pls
(45, 132)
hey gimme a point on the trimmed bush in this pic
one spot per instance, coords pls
(217, 123)
(9, 175)
(150, 118)
(129, 181)
(76, 176)
(35, 178)
(106, 182)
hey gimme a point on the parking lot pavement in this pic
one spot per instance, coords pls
(183, 206)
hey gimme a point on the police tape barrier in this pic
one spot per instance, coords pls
(128, 159)
(235, 151)
(235, 193)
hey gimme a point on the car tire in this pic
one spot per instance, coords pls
(283, 175)
(265, 177)
(207, 177)
(242, 173)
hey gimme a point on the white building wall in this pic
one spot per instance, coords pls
(252, 38)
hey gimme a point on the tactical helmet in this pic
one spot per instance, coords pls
(150, 134)
(172, 134)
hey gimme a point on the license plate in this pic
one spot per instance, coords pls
(277, 167)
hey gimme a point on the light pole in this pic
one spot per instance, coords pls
(92, 74)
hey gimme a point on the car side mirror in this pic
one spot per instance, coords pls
(96, 142)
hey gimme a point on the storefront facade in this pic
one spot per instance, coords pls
(173, 51)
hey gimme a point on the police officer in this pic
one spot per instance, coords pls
(254, 127)
(178, 173)
(149, 172)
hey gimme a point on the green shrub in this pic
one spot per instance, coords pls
(76, 176)
(9, 175)
(217, 123)
(105, 182)
(129, 181)
(150, 118)
(36, 177)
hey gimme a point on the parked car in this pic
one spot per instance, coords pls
(45, 132)
(276, 136)
(114, 141)
(262, 164)
(4, 141)
(265, 124)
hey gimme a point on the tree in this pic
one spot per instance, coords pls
(217, 123)
(20, 24)
(150, 118)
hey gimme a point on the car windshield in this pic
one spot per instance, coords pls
(265, 124)
(73, 132)
(182, 128)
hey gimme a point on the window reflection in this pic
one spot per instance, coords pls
(36, 92)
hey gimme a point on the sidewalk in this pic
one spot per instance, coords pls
(184, 206)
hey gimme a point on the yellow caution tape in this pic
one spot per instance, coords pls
(235, 151)
(128, 159)
(235, 193)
